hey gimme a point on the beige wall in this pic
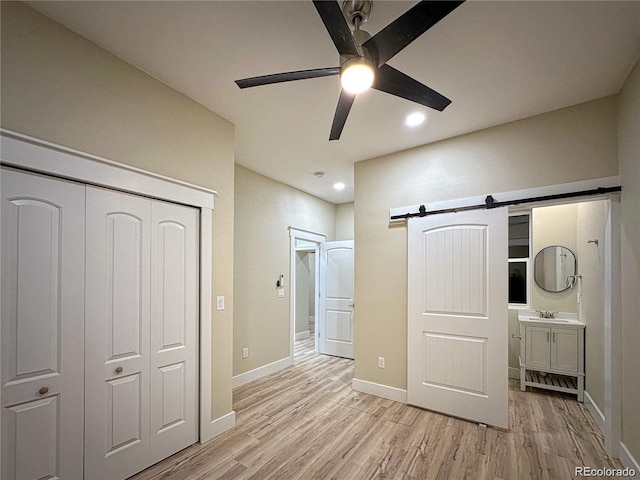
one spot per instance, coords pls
(571, 144)
(590, 225)
(629, 166)
(554, 225)
(264, 210)
(59, 87)
(344, 221)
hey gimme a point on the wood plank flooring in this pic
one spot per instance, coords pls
(305, 422)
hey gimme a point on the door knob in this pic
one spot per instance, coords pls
(119, 370)
(353, 305)
(43, 390)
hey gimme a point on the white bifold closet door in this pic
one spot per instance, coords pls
(141, 321)
(42, 327)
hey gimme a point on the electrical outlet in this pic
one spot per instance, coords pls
(220, 303)
(380, 362)
(245, 352)
(280, 292)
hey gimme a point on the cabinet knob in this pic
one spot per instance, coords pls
(43, 390)
(119, 370)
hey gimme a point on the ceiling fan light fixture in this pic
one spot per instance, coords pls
(357, 74)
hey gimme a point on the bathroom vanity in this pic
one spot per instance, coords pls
(552, 352)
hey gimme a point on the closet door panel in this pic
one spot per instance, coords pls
(42, 326)
(174, 320)
(117, 339)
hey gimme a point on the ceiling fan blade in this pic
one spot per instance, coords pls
(336, 25)
(407, 27)
(342, 111)
(393, 81)
(287, 77)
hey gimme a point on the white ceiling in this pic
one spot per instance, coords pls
(497, 62)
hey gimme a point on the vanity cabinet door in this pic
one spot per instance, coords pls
(537, 347)
(564, 349)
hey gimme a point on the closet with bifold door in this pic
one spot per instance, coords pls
(99, 329)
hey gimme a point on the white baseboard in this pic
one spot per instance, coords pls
(595, 412)
(627, 459)
(218, 426)
(379, 390)
(260, 372)
(303, 335)
(514, 373)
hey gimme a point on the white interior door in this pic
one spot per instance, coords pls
(117, 334)
(457, 315)
(42, 327)
(335, 328)
(141, 323)
(174, 321)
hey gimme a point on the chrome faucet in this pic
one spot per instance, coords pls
(546, 314)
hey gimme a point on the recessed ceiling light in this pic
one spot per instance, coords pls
(414, 119)
(339, 186)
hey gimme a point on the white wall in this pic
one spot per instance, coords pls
(302, 291)
(344, 221)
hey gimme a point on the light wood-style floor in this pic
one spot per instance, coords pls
(305, 422)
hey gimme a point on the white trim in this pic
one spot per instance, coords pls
(612, 407)
(36, 155)
(221, 425)
(206, 313)
(307, 235)
(627, 459)
(303, 335)
(594, 411)
(263, 371)
(514, 373)
(515, 195)
(318, 238)
(29, 153)
(379, 390)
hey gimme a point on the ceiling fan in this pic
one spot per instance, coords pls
(363, 58)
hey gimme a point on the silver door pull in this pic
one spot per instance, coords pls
(513, 335)
(353, 305)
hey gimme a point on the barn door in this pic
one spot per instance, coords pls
(457, 315)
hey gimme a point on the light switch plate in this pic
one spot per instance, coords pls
(220, 303)
(281, 293)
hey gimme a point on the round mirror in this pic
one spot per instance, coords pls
(553, 268)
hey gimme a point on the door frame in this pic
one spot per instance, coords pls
(39, 156)
(318, 239)
(611, 424)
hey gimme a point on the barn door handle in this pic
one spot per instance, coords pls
(119, 370)
(43, 390)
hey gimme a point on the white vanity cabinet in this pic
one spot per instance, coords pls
(552, 355)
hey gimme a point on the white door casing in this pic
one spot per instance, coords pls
(42, 326)
(457, 315)
(336, 324)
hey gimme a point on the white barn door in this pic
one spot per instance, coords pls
(42, 327)
(457, 315)
(335, 326)
(141, 331)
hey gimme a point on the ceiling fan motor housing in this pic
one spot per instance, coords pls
(356, 12)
